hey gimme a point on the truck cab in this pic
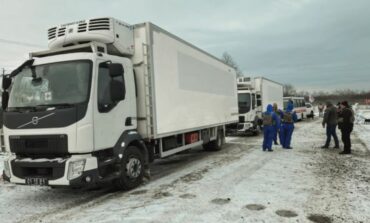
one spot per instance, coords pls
(250, 109)
(254, 94)
(68, 105)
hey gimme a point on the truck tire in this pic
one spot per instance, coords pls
(132, 169)
(215, 145)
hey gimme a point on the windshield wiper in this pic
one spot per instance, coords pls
(22, 109)
(60, 105)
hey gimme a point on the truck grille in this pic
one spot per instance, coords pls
(51, 170)
(39, 146)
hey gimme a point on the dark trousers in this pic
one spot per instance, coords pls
(331, 131)
(346, 138)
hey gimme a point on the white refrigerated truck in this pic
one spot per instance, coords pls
(254, 94)
(106, 99)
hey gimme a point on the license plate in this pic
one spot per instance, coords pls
(37, 181)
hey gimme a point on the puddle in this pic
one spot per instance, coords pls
(319, 218)
(187, 196)
(286, 213)
(255, 207)
(221, 200)
(195, 176)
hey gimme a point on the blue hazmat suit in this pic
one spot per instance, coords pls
(270, 122)
(287, 126)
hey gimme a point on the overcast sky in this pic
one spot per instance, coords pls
(312, 44)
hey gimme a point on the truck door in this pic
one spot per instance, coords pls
(111, 118)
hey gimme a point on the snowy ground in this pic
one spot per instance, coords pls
(238, 184)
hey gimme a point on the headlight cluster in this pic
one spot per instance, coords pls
(76, 169)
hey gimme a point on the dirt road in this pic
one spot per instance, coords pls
(238, 184)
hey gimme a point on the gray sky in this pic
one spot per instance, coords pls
(312, 44)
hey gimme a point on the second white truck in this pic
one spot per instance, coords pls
(106, 99)
(254, 94)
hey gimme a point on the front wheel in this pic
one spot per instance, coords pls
(132, 169)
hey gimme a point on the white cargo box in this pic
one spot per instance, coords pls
(271, 92)
(180, 87)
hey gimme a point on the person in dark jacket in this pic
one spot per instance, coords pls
(345, 124)
(270, 121)
(277, 129)
(330, 121)
(288, 117)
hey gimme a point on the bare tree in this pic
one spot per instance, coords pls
(226, 57)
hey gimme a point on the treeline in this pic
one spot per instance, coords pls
(352, 96)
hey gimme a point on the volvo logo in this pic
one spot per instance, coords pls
(35, 120)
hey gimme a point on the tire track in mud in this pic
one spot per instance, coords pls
(231, 151)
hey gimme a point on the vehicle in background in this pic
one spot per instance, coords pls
(363, 116)
(310, 113)
(299, 106)
(106, 99)
(254, 94)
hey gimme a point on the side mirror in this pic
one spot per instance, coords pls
(7, 81)
(117, 91)
(4, 100)
(115, 69)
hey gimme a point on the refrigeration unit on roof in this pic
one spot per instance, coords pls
(118, 36)
(244, 83)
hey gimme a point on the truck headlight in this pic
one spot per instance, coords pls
(76, 169)
(6, 169)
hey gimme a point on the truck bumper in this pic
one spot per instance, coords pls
(241, 129)
(74, 171)
(245, 127)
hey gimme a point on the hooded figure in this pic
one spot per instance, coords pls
(270, 122)
(287, 127)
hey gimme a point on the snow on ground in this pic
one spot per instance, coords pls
(238, 184)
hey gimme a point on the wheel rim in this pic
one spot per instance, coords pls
(133, 167)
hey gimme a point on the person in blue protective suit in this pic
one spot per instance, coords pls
(288, 117)
(270, 121)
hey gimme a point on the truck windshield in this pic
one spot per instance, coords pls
(244, 101)
(64, 83)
